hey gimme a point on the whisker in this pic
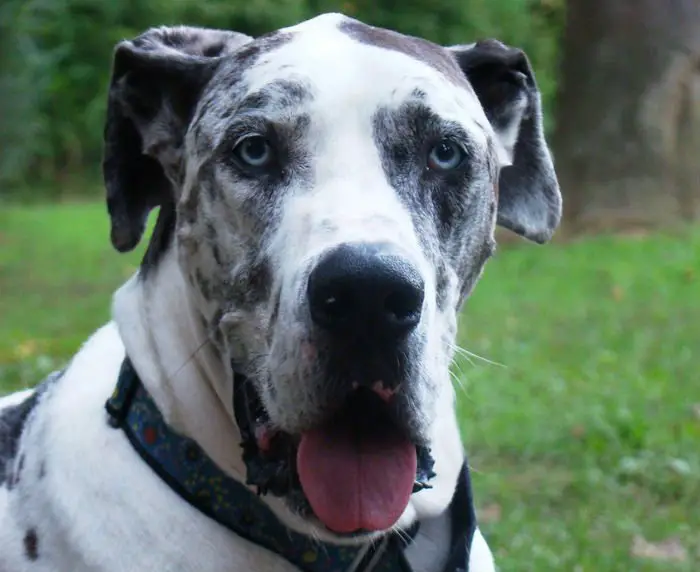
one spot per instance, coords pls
(458, 366)
(189, 359)
(459, 380)
(460, 352)
(401, 533)
(473, 469)
(468, 355)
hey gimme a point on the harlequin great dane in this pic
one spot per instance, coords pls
(273, 392)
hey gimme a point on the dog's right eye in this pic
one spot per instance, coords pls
(445, 156)
(254, 151)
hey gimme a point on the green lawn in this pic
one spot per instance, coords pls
(585, 442)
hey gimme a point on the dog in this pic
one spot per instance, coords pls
(273, 391)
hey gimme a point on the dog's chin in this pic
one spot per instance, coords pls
(350, 475)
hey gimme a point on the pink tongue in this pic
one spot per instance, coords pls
(356, 480)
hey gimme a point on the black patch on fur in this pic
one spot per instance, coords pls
(281, 94)
(31, 545)
(160, 239)
(441, 284)
(12, 423)
(258, 283)
(204, 323)
(273, 319)
(470, 270)
(216, 253)
(15, 476)
(422, 50)
(249, 54)
(204, 284)
(210, 232)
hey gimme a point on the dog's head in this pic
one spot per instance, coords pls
(332, 191)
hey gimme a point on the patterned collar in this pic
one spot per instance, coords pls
(185, 468)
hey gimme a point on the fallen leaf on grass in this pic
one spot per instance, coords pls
(617, 293)
(25, 349)
(680, 466)
(634, 232)
(490, 513)
(670, 549)
(578, 431)
(695, 408)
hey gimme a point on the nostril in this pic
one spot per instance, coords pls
(403, 307)
(331, 308)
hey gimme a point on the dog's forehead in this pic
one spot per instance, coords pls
(342, 63)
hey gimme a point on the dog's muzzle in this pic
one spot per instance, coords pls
(355, 466)
(310, 470)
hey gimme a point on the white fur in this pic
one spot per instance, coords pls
(15, 398)
(480, 557)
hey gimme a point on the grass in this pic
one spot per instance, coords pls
(57, 273)
(585, 443)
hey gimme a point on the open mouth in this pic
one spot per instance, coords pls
(354, 472)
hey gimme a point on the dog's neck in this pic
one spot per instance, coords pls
(183, 371)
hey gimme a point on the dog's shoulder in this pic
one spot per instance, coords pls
(81, 494)
(43, 442)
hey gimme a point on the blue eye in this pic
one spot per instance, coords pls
(445, 156)
(255, 151)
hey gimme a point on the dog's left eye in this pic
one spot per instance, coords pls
(445, 156)
(254, 151)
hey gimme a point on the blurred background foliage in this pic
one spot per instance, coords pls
(55, 58)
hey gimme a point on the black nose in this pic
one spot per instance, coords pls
(365, 290)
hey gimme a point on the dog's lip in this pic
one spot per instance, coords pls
(269, 452)
(265, 431)
(385, 392)
(266, 434)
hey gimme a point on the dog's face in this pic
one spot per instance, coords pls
(332, 190)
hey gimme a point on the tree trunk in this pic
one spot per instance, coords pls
(627, 134)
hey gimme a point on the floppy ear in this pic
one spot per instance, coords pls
(529, 201)
(156, 81)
